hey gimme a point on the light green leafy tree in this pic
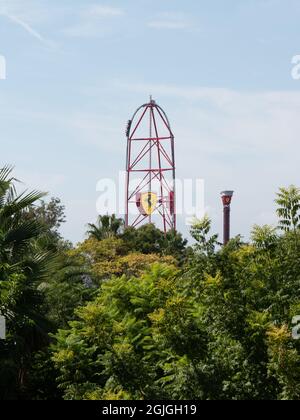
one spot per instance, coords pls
(288, 201)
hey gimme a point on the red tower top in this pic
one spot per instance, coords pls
(227, 197)
(150, 167)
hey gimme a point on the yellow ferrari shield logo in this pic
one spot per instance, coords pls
(148, 202)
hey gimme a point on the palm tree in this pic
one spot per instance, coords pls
(16, 232)
(23, 265)
(106, 227)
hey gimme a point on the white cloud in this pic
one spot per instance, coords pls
(99, 11)
(23, 15)
(92, 22)
(31, 31)
(169, 20)
(164, 24)
(84, 30)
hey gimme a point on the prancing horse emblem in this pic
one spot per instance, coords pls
(149, 202)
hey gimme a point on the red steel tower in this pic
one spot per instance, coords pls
(150, 167)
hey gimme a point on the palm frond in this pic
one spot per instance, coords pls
(22, 233)
(19, 203)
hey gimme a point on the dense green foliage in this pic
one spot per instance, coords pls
(135, 314)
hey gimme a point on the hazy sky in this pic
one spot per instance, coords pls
(76, 71)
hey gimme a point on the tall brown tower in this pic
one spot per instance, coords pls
(226, 199)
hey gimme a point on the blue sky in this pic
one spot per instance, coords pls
(76, 71)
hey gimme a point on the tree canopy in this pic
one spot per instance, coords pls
(136, 314)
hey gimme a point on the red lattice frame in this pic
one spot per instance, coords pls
(164, 173)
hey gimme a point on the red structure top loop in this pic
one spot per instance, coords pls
(150, 167)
